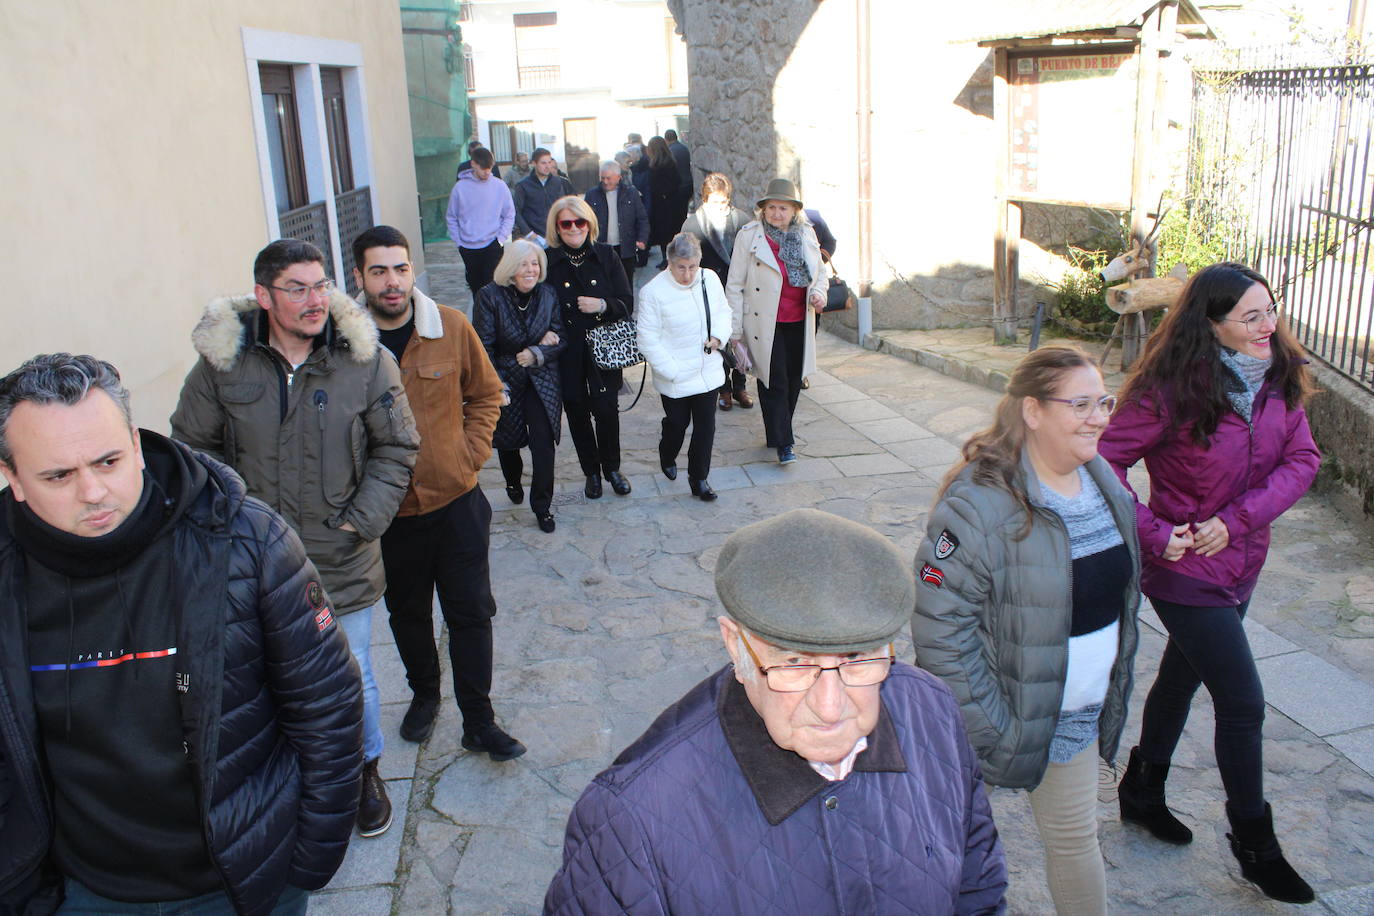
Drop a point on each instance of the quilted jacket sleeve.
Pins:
(481, 394)
(392, 447)
(1283, 485)
(1135, 429)
(199, 418)
(319, 698)
(950, 596)
(983, 886)
(607, 862)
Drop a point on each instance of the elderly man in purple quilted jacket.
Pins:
(813, 775)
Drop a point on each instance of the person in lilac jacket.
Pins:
(1215, 408)
(480, 216)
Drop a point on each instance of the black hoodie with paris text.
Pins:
(102, 617)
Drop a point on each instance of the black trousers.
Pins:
(1208, 646)
(735, 381)
(598, 447)
(778, 400)
(444, 549)
(479, 264)
(541, 455)
(700, 411)
(630, 264)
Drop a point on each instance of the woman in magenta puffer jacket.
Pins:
(1215, 408)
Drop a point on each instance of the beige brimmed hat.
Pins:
(780, 189)
(814, 582)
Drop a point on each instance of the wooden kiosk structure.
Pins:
(1077, 106)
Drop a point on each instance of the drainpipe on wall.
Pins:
(865, 127)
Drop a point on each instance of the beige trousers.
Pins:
(1065, 807)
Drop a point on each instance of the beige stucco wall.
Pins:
(132, 191)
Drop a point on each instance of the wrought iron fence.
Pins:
(309, 224)
(354, 209)
(1282, 173)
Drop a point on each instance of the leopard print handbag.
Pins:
(614, 345)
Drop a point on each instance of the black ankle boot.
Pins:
(1261, 860)
(1141, 794)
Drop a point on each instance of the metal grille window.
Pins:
(283, 136)
(509, 138)
(354, 209)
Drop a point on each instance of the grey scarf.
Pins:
(792, 252)
(1249, 371)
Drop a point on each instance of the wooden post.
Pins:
(1148, 75)
(1003, 259)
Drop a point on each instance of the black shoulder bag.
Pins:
(726, 355)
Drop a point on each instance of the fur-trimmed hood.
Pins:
(232, 322)
(428, 324)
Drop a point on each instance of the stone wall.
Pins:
(773, 92)
(1342, 420)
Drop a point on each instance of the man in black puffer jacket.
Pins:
(180, 717)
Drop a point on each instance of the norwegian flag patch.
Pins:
(932, 574)
(945, 545)
(323, 619)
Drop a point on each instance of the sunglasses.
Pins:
(578, 223)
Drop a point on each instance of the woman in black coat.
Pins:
(518, 319)
(590, 284)
(669, 208)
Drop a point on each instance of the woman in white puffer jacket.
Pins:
(681, 319)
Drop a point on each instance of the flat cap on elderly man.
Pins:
(812, 774)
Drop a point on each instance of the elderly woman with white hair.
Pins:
(682, 320)
(518, 319)
(775, 284)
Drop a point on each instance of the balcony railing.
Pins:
(543, 77)
(354, 209)
(309, 224)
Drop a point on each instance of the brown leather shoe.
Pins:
(725, 402)
(744, 399)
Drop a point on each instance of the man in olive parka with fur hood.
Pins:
(293, 391)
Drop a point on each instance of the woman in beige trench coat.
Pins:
(775, 286)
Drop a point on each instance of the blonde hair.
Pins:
(581, 208)
(515, 252)
(798, 213)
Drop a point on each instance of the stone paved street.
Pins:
(611, 618)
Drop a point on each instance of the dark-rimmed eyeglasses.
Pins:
(299, 294)
(1085, 407)
(578, 223)
(1255, 322)
(858, 672)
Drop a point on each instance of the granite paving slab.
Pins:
(1358, 745)
(866, 465)
(1315, 693)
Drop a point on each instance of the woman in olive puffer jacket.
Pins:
(1026, 600)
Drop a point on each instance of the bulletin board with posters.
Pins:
(1072, 123)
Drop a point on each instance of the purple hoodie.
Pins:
(1246, 477)
(479, 212)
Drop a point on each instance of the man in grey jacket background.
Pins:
(293, 391)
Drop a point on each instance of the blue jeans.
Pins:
(357, 626)
(81, 901)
